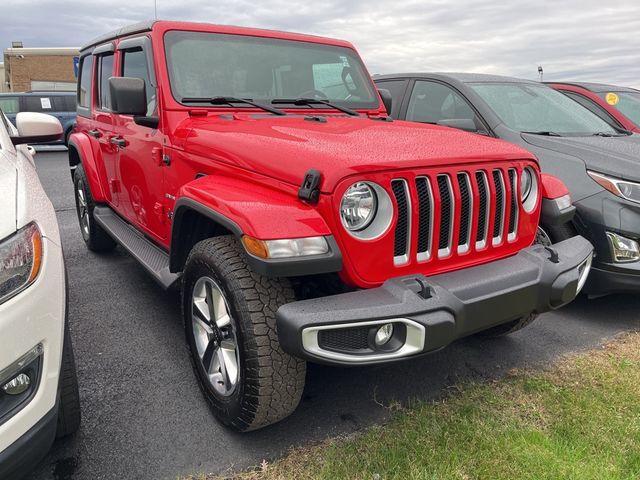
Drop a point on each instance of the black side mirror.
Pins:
(387, 99)
(466, 124)
(128, 96)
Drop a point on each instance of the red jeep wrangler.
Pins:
(258, 172)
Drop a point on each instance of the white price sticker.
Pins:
(46, 103)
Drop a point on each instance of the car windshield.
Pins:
(627, 102)
(540, 109)
(208, 65)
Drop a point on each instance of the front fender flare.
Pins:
(245, 208)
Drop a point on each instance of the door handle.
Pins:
(119, 141)
(95, 133)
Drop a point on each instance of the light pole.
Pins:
(540, 73)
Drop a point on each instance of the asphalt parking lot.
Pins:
(143, 413)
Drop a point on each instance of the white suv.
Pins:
(38, 386)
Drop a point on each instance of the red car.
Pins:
(258, 172)
(618, 106)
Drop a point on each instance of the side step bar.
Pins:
(152, 258)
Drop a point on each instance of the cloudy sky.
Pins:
(572, 40)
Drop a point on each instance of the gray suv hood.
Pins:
(616, 156)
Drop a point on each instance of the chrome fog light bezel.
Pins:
(615, 243)
(584, 274)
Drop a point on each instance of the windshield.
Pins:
(207, 65)
(537, 108)
(627, 102)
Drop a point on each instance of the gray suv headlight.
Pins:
(617, 186)
(20, 260)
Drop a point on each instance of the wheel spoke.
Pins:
(201, 310)
(208, 288)
(208, 357)
(228, 363)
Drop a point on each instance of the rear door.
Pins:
(140, 154)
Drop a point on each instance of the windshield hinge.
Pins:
(310, 189)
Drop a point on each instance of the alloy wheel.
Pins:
(215, 336)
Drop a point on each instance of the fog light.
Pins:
(384, 334)
(624, 249)
(17, 385)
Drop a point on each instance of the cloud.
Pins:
(572, 40)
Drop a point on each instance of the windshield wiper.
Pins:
(314, 101)
(231, 101)
(546, 133)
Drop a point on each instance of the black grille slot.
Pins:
(446, 204)
(483, 216)
(499, 215)
(425, 210)
(465, 209)
(344, 339)
(513, 209)
(400, 247)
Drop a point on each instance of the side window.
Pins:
(38, 104)
(69, 103)
(84, 84)
(433, 102)
(9, 104)
(134, 64)
(591, 106)
(105, 72)
(396, 88)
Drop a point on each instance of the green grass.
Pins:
(580, 419)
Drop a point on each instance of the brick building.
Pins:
(40, 69)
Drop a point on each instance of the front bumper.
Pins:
(597, 215)
(34, 317)
(430, 312)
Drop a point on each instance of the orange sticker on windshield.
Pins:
(612, 98)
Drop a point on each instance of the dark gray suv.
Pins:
(599, 163)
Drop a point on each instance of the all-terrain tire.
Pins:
(270, 382)
(68, 394)
(509, 327)
(96, 238)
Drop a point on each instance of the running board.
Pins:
(152, 258)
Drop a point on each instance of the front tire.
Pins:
(229, 316)
(94, 236)
(69, 396)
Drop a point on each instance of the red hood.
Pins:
(286, 147)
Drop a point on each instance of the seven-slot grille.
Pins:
(464, 203)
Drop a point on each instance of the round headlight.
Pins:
(358, 207)
(526, 182)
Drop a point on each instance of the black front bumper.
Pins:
(22, 455)
(439, 309)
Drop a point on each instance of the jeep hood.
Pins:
(8, 189)
(287, 147)
(616, 156)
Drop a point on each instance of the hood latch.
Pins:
(310, 189)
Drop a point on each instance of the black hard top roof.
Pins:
(120, 32)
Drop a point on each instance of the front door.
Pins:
(140, 160)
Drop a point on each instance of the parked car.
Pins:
(61, 105)
(618, 106)
(258, 172)
(597, 162)
(38, 387)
